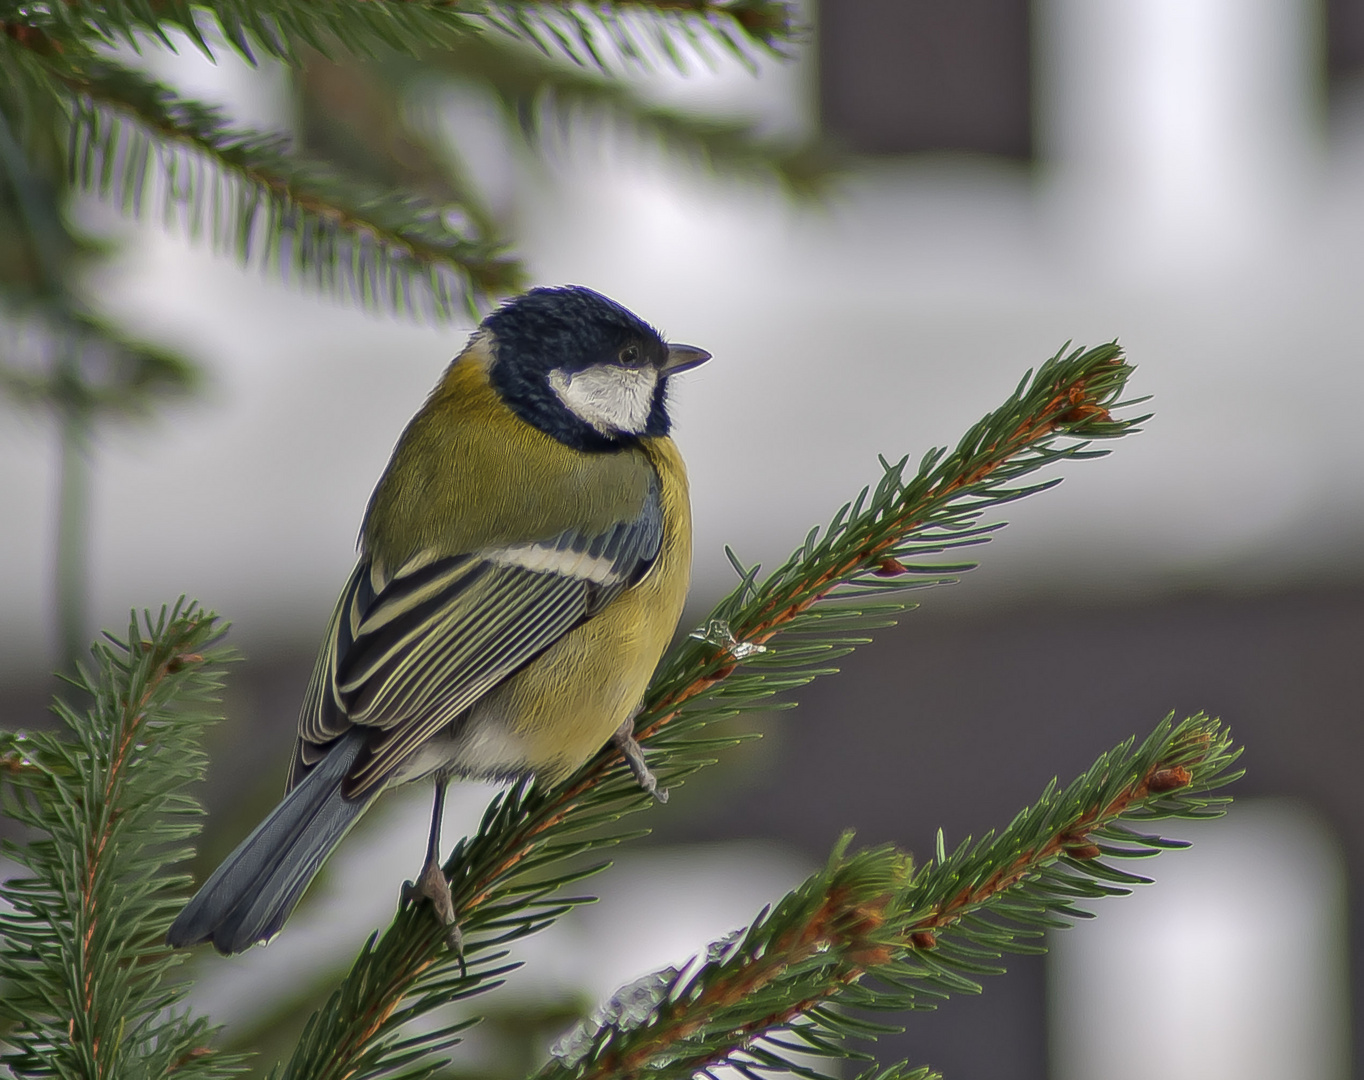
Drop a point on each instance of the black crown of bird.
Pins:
(523, 564)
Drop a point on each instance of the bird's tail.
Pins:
(251, 894)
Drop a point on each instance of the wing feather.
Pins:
(441, 691)
(406, 654)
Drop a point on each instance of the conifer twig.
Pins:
(503, 877)
(271, 28)
(143, 145)
(264, 201)
(81, 947)
(596, 34)
(132, 374)
(870, 931)
(575, 28)
(540, 93)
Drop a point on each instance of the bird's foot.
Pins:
(624, 738)
(432, 885)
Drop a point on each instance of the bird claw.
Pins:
(625, 741)
(431, 884)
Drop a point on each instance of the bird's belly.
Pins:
(474, 748)
(563, 706)
(553, 715)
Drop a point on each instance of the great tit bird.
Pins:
(523, 564)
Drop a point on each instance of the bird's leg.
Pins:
(624, 738)
(431, 883)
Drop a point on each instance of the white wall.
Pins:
(1233, 966)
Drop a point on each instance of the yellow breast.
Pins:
(565, 705)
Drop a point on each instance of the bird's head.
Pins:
(582, 368)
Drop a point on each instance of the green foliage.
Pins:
(103, 800)
(256, 197)
(635, 30)
(584, 32)
(870, 932)
(875, 544)
(271, 28)
(139, 143)
(539, 95)
(119, 375)
(102, 370)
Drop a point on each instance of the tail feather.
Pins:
(249, 896)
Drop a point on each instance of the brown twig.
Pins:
(850, 928)
(134, 716)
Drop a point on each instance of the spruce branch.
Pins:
(868, 931)
(587, 33)
(357, 117)
(81, 943)
(272, 28)
(138, 143)
(635, 31)
(879, 539)
(142, 145)
(119, 374)
(538, 92)
(268, 204)
(102, 368)
(507, 877)
(93, 368)
(899, 1071)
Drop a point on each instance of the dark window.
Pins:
(898, 76)
(1345, 38)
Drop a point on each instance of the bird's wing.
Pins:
(406, 654)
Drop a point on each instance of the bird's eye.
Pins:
(629, 354)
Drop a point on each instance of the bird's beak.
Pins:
(683, 358)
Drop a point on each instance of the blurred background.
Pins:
(1184, 175)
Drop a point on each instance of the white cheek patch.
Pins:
(612, 399)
